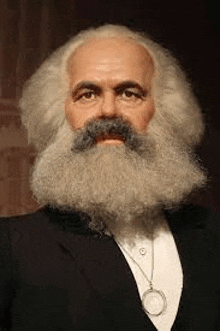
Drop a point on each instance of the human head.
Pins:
(110, 78)
(176, 109)
(119, 187)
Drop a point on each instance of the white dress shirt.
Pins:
(167, 274)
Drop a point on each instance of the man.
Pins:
(115, 122)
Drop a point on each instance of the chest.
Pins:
(84, 283)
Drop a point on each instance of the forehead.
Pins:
(110, 55)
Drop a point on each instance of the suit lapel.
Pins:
(106, 270)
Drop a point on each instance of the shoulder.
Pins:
(7, 222)
(70, 221)
(44, 228)
(194, 216)
(197, 225)
(20, 223)
(196, 220)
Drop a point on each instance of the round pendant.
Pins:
(154, 302)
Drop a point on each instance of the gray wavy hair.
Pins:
(177, 110)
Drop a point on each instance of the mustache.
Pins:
(116, 127)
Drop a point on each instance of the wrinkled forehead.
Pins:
(110, 49)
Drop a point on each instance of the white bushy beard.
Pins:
(122, 192)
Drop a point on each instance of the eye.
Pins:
(130, 95)
(86, 96)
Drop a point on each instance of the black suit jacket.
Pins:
(56, 274)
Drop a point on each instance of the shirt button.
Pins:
(142, 251)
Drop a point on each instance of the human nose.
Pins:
(108, 105)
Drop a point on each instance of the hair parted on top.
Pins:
(176, 108)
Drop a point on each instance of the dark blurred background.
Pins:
(31, 30)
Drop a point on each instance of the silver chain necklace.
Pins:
(154, 301)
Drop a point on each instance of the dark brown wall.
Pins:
(24, 43)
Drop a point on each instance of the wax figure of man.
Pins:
(115, 245)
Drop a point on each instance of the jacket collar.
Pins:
(179, 220)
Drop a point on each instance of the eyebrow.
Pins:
(85, 85)
(89, 85)
(130, 84)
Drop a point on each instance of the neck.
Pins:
(148, 229)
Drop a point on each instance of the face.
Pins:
(110, 78)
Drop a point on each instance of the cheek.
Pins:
(69, 115)
(75, 118)
(144, 117)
